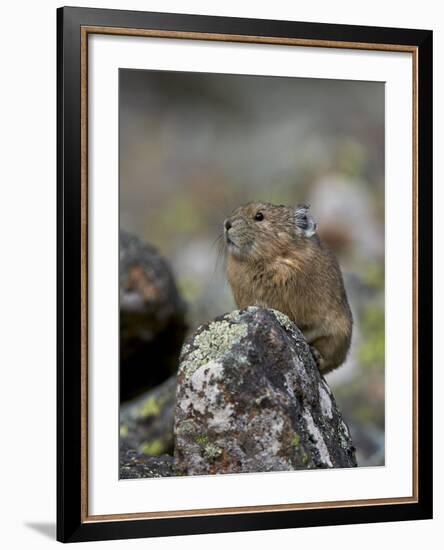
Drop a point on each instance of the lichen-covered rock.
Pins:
(152, 317)
(134, 465)
(251, 399)
(146, 423)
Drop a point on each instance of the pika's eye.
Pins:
(259, 216)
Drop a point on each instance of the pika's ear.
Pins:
(304, 221)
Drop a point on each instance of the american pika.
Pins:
(275, 259)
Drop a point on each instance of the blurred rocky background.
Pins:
(192, 148)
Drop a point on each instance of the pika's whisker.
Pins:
(220, 253)
(217, 240)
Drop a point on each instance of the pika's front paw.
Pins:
(318, 359)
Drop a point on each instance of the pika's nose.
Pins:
(227, 224)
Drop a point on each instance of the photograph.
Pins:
(251, 273)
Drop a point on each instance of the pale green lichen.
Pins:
(283, 320)
(123, 430)
(211, 344)
(202, 439)
(187, 426)
(236, 315)
(185, 349)
(296, 440)
(233, 316)
(150, 407)
(344, 435)
(211, 452)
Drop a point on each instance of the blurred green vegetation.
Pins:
(372, 348)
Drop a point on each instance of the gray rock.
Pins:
(134, 465)
(251, 399)
(152, 317)
(146, 423)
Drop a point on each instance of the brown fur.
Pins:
(279, 262)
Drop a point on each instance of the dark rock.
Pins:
(146, 423)
(134, 465)
(152, 318)
(251, 399)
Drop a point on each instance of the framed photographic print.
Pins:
(244, 274)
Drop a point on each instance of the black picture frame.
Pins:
(71, 523)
